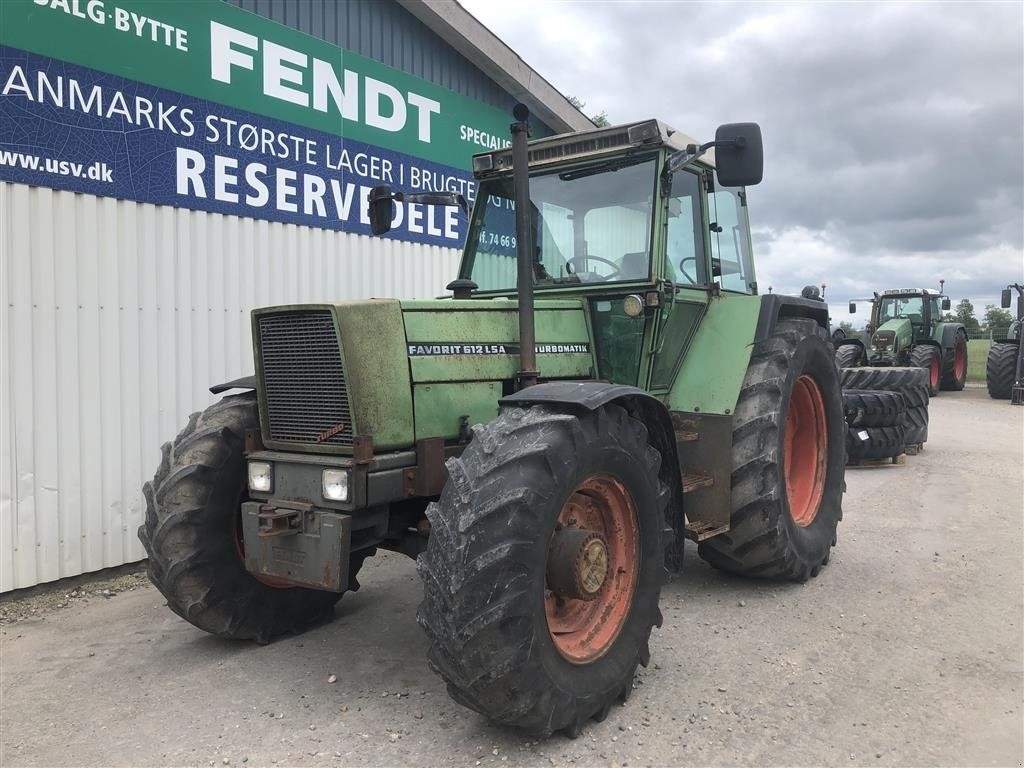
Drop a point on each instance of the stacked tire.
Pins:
(911, 383)
(875, 423)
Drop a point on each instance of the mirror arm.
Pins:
(433, 198)
(684, 157)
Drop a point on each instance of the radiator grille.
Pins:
(303, 379)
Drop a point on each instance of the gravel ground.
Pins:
(906, 650)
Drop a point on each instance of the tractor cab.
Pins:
(628, 221)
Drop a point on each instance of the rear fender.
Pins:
(949, 331)
(775, 307)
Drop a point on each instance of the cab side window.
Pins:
(686, 263)
(731, 264)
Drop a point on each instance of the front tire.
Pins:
(788, 460)
(498, 638)
(954, 364)
(929, 358)
(849, 356)
(192, 533)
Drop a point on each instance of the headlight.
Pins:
(261, 476)
(336, 484)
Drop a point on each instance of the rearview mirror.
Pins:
(946, 305)
(739, 156)
(1004, 298)
(382, 209)
(853, 308)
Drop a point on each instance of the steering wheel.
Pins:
(615, 267)
(686, 274)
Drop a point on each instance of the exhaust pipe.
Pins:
(525, 253)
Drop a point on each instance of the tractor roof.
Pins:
(646, 134)
(911, 292)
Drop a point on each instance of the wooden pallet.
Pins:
(913, 450)
(898, 461)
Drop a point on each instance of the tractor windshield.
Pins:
(592, 224)
(907, 307)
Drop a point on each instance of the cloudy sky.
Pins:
(894, 133)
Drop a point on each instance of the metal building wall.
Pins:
(388, 33)
(116, 318)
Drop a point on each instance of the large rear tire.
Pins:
(506, 647)
(193, 539)
(788, 459)
(954, 364)
(1000, 369)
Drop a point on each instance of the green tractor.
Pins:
(604, 383)
(1004, 368)
(906, 329)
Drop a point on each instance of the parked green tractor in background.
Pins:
(605, 383)
(907, 329)
(1004, 368)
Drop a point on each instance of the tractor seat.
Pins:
(633, 266)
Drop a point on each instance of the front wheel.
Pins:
(544, 566)
(930, 359)
(954, 364)
(192, 533)
(849, 356)
(788, 460)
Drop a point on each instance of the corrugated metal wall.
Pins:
(116, 318)
(387, 33)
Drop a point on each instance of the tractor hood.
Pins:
(383, 374)
(892, 336)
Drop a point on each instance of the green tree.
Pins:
(847, 327)
(964, 313)
(997, 320)
(600, 120)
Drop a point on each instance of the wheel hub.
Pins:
(577, 564)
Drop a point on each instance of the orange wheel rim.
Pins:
(934, 371)
(806, 450)
(959, 360)
(583, 630)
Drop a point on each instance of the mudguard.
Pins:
(949, 334)
(775, 306)
(246, 382)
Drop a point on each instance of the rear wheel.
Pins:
(1000, 369)
(544, 566)
(930, 359)
(849, 356)
(954, 364)
(193, 509)
(788, 460)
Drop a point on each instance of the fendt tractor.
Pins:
(604, 383)
(907, 329)
(1004, 368)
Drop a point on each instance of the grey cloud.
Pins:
(894, 133)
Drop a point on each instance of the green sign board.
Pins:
(214, 51)
(198, 104)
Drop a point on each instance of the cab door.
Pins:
(686, 275)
